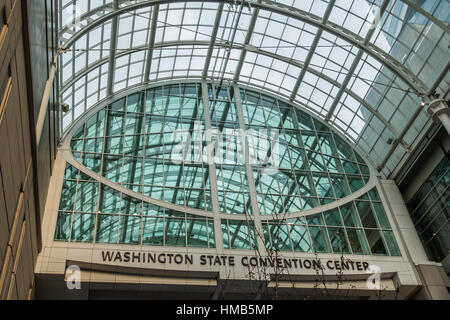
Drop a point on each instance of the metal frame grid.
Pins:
(152, 142)
(92, 212)
(321, 55)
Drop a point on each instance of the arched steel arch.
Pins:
(248, 48)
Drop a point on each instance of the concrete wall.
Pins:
(435, 283)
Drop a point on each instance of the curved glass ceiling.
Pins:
(363, 66)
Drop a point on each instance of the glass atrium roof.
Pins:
(363, 66)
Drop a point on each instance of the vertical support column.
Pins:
(406, 231)
(440, 113)
(249, 171)
(112, 54)
(435, 282)
(151, 42)
(212, 169)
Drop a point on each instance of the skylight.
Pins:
(363, 66)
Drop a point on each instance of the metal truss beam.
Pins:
(112, 53)
(377, 53)
(248, 37)
(312, 50)
(413, 118)
(111, 12)
(213, 40)
(439, 79)
(432, 18)
(399, 140)
(151, 42)
(231, 42)
(352, 68)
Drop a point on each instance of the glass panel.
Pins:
(319, 239)
(280, 237)
(95, 125)
(375, 241)
(300, 238)
(357, 241)
(93, 145)
(350, 215)
(83, 227)
(79, 133)
(350, 167)
(305, 184)
(107, 228)
(197, 233)
(374, 195)
(266, 233)
(320, 126)
(175, 232)
(109, 200)
(364, 169)
(315, 219)
(355, 183)
(365, 196)
(241, 235)
(298, 220)
(225, 234)
(333, 165)
(92, 161)
(344, 150)
(67, 195)
(310, 142)
(86, 198)
(338, 239)
(211, 237)
(62, 231)
(381, 215)
(130, 205)
(323, 186)
(340, 186)
(310, 203)
(391, 243)
(112, 168)
(130, 229)
(134, 103)
(304, 121)
(119, 105)
(332, 217)
(71, 172)
(76, 145)
(366, 214)
(153, 231)
(152, 210)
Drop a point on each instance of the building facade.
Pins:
(28, 138)
(224, 149)
(226, 190)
